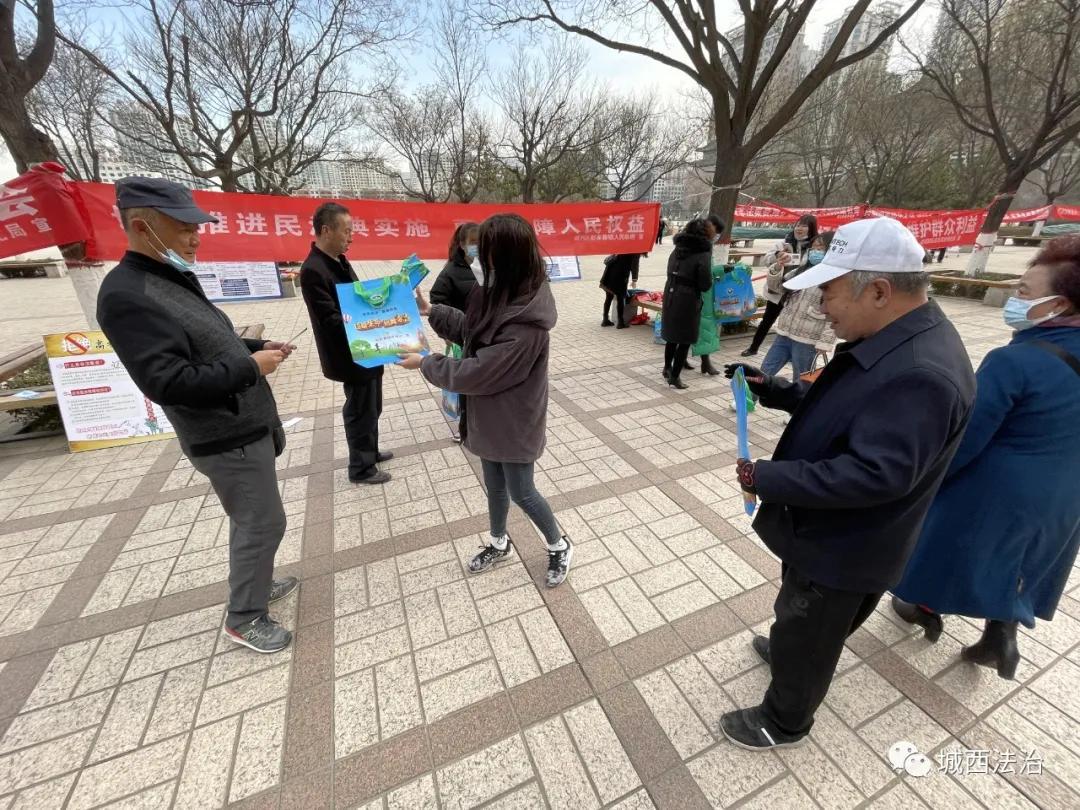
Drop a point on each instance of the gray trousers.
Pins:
(245, 481)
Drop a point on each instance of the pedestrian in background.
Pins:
(502, 378)
(183, 353)
(790, 253)
(802, 330)
(689, 274)
(458, 278)
(323, 269)
(1001, 538)
(851, 480)
(620, 270)
(708, 331)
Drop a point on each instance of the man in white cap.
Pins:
(846, 491)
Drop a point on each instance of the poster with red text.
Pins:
(100, 404)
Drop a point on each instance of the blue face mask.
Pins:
(168, 255)
(472, 251)
(1017, 309)
(815, 256)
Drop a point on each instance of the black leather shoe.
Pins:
(382, 458)
(996, 649)
(761, 647)
(688, 366)
(675, 382)
(929, 621)
(748, 353)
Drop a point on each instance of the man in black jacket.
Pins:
(847, 490)
(325, 268)
(183, 353)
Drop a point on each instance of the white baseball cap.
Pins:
(878, 245)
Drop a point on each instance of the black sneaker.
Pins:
(283, 587)
(263, 635)
(490, 555)
(375, 476)
(559, 563)
(761, 647)
(748, 729)
(606, 322)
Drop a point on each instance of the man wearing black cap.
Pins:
(184, 354)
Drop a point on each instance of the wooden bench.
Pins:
(24, 358)
(756, 257)
(996, 291)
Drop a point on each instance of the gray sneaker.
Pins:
(263, 635)
(283, 587)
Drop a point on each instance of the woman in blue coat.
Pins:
(1000, 540)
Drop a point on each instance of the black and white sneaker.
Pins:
(559, 563)
(489, 555)
(748, 728)
(283, 587)
(263, 635)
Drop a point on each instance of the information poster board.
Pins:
(99, 402)
(239, 281)
(381, 320)
(563, 268)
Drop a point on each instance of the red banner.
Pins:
(938, 229)
(39, 209)
(1068, 213)
(1029, 214)
(256, 227)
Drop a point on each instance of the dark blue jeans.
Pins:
(505, 481)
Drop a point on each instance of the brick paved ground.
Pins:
(413, 685)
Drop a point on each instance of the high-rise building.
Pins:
(350, 176)
(873, 22)
(143, 145)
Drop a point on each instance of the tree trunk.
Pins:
(26, 143)
(727, 180)
(999, 206)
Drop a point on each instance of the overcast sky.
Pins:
(625, 73)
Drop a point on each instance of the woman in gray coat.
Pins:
(502, 378)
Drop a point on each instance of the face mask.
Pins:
(815, 256)
(472, 251)
(168, 255)
(1016, 310)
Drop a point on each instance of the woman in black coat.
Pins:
(688, 276)
(457, 278)
(619, 270)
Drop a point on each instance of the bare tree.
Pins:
(1059, 175)
(975, 167)
(822, 136)
(461, 67)
(21, 68)
(647, 143)
(892, 140)
(736, 71)
(550, 116)
(243, 94)
(1007, 68)
(414, 129)
(68, 105)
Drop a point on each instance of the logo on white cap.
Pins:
(878, 245)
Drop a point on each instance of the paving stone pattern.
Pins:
(413, 684)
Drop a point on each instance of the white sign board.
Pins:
(99, 403)
(239, 281)
(563, 268)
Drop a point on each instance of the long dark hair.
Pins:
(461, 233)
(510, 257)
(810, 221)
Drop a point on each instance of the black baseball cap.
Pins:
(170, 198)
